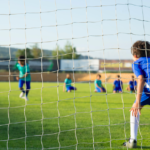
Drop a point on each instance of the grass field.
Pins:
(36, 133)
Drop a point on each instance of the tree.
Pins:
(59, 51)
(22, 52)
(36, 51)
(69, 52)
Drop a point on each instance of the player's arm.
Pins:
(140, 87)
(24, 76)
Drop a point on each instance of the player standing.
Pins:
(132, 85)
(141, 68)
(67, 84)
(98, 84)
(24, 77)
(118, 85)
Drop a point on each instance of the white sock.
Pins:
(134, 122)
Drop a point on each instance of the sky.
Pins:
(89, 25)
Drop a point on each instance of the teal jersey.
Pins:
(98, 82)
(68, 82)
(23, 70)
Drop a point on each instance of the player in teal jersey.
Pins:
(98, 84)
(67, 84)
(24, 77)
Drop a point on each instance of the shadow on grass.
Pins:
(144, 147)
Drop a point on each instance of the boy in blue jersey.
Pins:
(141, 68)
(132, 85)
(118, 85)
(98, 84)
(67, 84)
(24, 77)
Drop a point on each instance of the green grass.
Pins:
(83, 101)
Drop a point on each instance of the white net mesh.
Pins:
(81, 119)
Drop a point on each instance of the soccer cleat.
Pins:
(129, 144)
(26, 98)
(21, 95)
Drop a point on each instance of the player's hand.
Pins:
(17, 78)
(135, 109)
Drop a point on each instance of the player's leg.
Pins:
(97, 89)
(73, 88)
(131, 90)
(134, 123)
(68, 89)
(120, 90)
(21, 83)
(27, 90)
(104, 90)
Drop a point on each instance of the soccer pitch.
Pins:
(37, 133)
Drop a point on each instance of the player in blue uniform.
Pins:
(132, 85)
(24, 77)
(98, 84)
(141, 68)
(67, 84)
(118, 85)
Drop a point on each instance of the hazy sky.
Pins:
(83, 25)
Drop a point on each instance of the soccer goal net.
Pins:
(53, 54)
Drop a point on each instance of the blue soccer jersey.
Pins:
(142, 67)
(132, 84)
(118, 84)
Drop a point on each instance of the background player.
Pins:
(24, 77)
(67, 84)
(141, 68)
(98, 84)
(118, 85)
(132, 85)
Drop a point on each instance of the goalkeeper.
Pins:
(67, 84)
(141, 68)
(24, 77)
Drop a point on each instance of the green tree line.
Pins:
(68, 52)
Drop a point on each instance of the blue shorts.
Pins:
(132, 88)
(21, 83)
(145, 98)
(70, 88)
(116, 89)
(99, 90)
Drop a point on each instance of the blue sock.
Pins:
(23, 90)
(27, 92)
